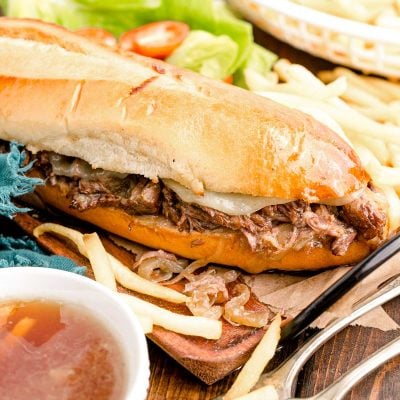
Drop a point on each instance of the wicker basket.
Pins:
(369, 48)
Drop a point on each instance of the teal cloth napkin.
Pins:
(23, 251)
(13, 182)
(15, 252)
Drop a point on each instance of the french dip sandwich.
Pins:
(179, 162)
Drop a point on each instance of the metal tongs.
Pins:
(284, 377)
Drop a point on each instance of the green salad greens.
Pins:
(260, 61)
(219, 45)
(210, 55)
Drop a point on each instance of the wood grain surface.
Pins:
(171, 381)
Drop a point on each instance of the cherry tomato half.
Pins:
(98, 35)
(229, 79)
(157, 39)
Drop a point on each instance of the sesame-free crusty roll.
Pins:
(174, 160)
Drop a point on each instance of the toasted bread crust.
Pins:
(222, 246)
(137, 115)
(127, 113)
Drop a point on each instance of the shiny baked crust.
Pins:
(128, 113)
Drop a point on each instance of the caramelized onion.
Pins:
(286, 236)
(158, 266)
(205, 290)
(161, 254)
(133, 247)
(281, 239)
(158, 270)
(229, 275)
(188, 272)
(236, 314)
(201, 305)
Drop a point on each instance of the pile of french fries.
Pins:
(108, 270)
(363, 110)
(385, 13)
(378, 100)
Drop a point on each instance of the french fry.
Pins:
(74, 236)
(146, 323)
(98, 257)
(354, 80)
(335, 89)
(256, 81)
(380, 114)
(185, 324)
(311, 85)
(384, 86)
(296, 73)
(133, 281)
(394, 206)
(355, 95)
(351, 119)
(123, 274)
(381, 175)
(376, 146)
(327, 76)
(264, 393)
(257, 362)
(395, 109)
(394, 155)
(272, 77)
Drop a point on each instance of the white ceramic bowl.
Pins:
(24, 283)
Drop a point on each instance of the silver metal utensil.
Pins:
(284, 377)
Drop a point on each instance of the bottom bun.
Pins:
(217, 246)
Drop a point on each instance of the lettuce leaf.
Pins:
(119, 16)
(259, 61)
(208, 54)
(212, 58)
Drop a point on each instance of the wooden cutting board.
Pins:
(169, 381)
(209, 360)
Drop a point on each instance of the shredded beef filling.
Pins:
(274, 229)
(137, 195)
